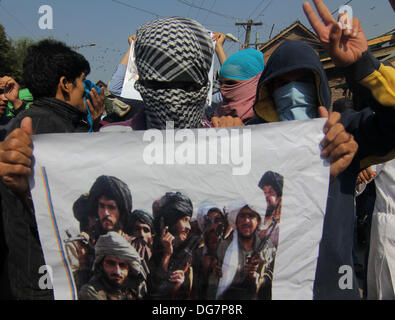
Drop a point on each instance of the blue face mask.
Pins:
(296, 101)
(88, 86)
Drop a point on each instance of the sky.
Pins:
(109, 23)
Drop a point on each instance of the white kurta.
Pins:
(381, 265)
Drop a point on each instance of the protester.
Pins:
(12, 101)
(239, 76)
(216, 99)
(288, 90)
(173, 83)
(118, 272)
(117, 80)
(219, 39)
(118, 108)
(54, 75)
(167, 97)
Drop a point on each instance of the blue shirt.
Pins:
(117, 80)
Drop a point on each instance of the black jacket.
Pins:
(21, 255)
(373, 130)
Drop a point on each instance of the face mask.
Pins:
(296, 101)
(88, 86)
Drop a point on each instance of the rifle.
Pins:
(181, 259)
(247, 285)
(262, 244)
(76, 238)
(247, 280)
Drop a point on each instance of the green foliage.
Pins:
(20, 46)
(8, 64)
(12, 54)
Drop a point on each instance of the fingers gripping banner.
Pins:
(236, 213)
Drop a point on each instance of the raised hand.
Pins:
(344, 46)
(16, 157)
(339, 147)
(226, 121)
(219, 39)
(11, 90)
(96, 107)
(131, 39)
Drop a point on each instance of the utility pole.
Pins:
(249, 25)
(257, 43)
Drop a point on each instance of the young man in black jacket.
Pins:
(54, 74)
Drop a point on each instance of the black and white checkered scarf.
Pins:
(174, 50)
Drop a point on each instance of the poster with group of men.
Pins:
(232, 213)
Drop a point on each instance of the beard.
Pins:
(116, 227)
(246, 237)
(115, 284)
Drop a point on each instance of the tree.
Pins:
(20, 47)
(8, 61)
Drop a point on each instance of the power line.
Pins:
(334, 11)
(212, 7)
(201, 5)
(207, 10)
(16, 19)
(260, 3)
(264, 9)
(143, 10)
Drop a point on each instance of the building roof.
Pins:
(309, 36)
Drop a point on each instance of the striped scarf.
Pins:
(174, 51)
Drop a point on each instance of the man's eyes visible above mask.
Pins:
(229, 82)
(157, 85)
(280, 81)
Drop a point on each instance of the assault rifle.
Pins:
(76, 238)
(264, 240)
(247, 287)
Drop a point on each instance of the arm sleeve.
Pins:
(378, 78)
(117, 80)
(373, 127)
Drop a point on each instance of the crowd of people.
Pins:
(123, 253)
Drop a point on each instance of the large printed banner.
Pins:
(273, 170)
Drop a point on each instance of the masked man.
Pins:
(294, 86)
